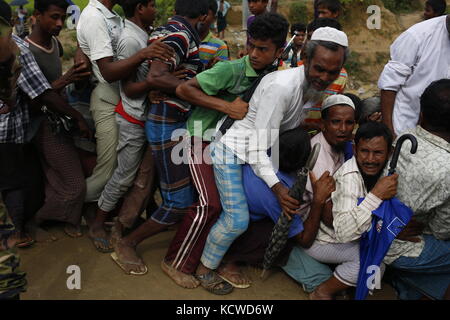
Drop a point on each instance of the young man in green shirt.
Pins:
(217, 92)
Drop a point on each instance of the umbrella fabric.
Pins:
(387, 222)
(280, 232)
(18, 2)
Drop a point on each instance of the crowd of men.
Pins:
(147, 108)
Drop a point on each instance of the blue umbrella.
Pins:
(387, 222)
(18, 3)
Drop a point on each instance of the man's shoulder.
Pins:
(349, 168)
(426, 28)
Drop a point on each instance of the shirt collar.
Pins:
(432, 138)
(336, 156)
(350, 166)
(208, 37)
(136, 28)
(188, 26)
(105, 11)
(249, 71)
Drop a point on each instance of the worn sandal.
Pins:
(214, 284)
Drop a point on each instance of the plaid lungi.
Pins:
(165, 129)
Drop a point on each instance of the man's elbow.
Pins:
(182, 91)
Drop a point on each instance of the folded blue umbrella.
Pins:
(388, 221)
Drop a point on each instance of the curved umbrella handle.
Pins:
(397, 149)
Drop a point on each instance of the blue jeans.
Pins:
(428, 274)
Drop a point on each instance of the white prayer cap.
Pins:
(330, 34)
(337, 99)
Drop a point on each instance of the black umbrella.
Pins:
(280, 231)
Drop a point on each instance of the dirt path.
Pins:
(102, 279)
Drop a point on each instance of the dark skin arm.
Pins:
(161, 78)
(135, 89)
(56, 103)
(387, 108)
(322, 191)
(327, 214)
(116, 70)
(192, 92)
(74, 74)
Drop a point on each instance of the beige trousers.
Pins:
(104, 99)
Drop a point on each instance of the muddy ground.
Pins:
(101, 279)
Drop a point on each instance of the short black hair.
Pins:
(258, 0)
(213, 6)
(5, 11)
(439, 6)
(374, 129)
(323, 22)
(295, 147)
(435, 105)
(43, 5)
(270, 26)
(191, 9)
(298, 27)
(357, 102)
(332, 5)
(129, 6)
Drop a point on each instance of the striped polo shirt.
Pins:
(184, 39)
(212, 47)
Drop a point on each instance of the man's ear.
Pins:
(420, 119)
(279, 52)
(322, 125)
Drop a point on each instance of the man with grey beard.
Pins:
(276, 106)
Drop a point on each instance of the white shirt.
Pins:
(276, 106)
(133, 39)
(350, 220)
(98, 33)
(419, 56)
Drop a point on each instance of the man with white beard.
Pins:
(276, 106)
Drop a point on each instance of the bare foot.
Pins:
(73, 231)
(127, 259)
(182, 279)
(22, 239)
(8, 243)
(116, 232)
(317, 295)
(39, 234)
(231, 273)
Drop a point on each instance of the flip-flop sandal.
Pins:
(234, 284)
(214, 284)
(122, 265)
(73, 234)
(105, 242)
(171, 272)
(25, 244)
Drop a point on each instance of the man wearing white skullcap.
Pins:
(276, 106)
(337, 123)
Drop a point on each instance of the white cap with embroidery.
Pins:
(330, 34)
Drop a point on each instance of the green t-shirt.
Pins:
(227, 80)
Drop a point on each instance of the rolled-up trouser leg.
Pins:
(106, 134)
(130, 149)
